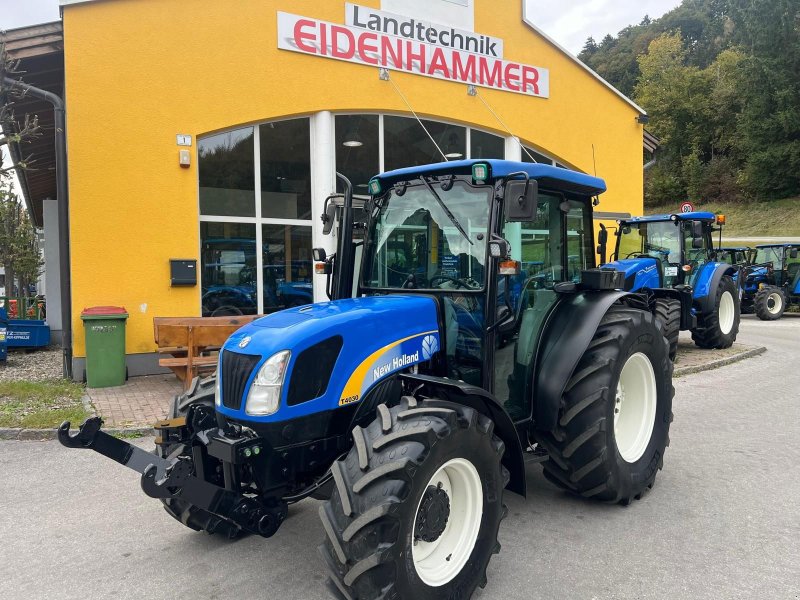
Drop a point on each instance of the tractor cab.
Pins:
(663, 251)
(493, 242)
(740, 256)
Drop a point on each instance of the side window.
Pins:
(580, 255)
(531, 243)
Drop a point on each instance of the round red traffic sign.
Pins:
(687, 207)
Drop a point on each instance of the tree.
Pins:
(19, 247)
(12, 130)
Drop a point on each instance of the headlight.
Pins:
(265, 392)
(218, 383)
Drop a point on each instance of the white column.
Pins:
(513, 231)
(323, 184)
(513, 149)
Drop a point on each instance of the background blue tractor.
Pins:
(397, 403)
(740, 256)
(672, 258)
(772, 281)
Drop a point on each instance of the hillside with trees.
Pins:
(720, 80)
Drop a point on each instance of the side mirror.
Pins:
(319, 254)
(697, 243)
(793, 253)
(697, 229)
(521, 206)
(602, 243)
(328, 218)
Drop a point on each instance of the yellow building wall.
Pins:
(138, 72)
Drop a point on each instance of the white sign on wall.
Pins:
(458, 13)
(390, 41)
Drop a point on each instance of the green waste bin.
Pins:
(105, 345)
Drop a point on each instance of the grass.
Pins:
(40, 404)
(777, 218)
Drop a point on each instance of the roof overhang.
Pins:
(40, 52)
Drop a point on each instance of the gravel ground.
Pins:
(34, 366)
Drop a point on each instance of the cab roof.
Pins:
(691, 216)
(547, 175)
(736, 248)
(784, 245)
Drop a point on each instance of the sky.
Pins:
(569, 23)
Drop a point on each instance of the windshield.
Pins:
(772, 255)
(661, 240)
(416, 244)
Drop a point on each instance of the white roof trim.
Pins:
(577, 61)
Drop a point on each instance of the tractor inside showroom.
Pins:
(398, 405)
(672, 259)
(772, 282)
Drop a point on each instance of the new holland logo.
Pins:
(430, 345)
(649, 269)
(244, 342)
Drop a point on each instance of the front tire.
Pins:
(719, 327)
(668, 312)
(769, 303)
(613, 425)
(417, 504)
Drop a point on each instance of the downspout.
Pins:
(63, 213)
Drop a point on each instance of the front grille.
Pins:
(312, 370)
(236, 370)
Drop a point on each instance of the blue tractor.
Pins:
(398, 405)
(772, 281)
(672, 259)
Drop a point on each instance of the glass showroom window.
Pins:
(357, 149)
(406, 144)
(256, 240)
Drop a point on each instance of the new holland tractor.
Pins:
(396, 404)
(772, 282)
(672, 259)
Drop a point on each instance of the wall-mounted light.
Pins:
(643, 119)
(452, 149)
(352, 140)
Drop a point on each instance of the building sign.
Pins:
(380, 39)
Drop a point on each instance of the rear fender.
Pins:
(705, 288)
(485, 403)
(569, 331)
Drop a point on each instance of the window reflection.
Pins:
(287, 266)
(228, 267)
(227, 174)
(406, 144)
(286, 169)
(357, 149)
(486, 145)
(537, 156)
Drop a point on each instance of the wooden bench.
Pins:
(190, 342)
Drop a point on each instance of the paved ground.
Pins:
(141, 401)
(723, 521)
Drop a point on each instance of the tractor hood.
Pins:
(339, 350)
(639, 272)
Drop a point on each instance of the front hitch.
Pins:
(175, 477)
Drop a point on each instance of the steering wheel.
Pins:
(458, 282)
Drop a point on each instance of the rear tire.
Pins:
(769, 303)
(200, 393)
(613, 425)
(668, 313)
(719, 327)
(392, 530)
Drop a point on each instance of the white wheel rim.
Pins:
(438, 562)
(635, 407)
(726, 313)
(774, 303)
